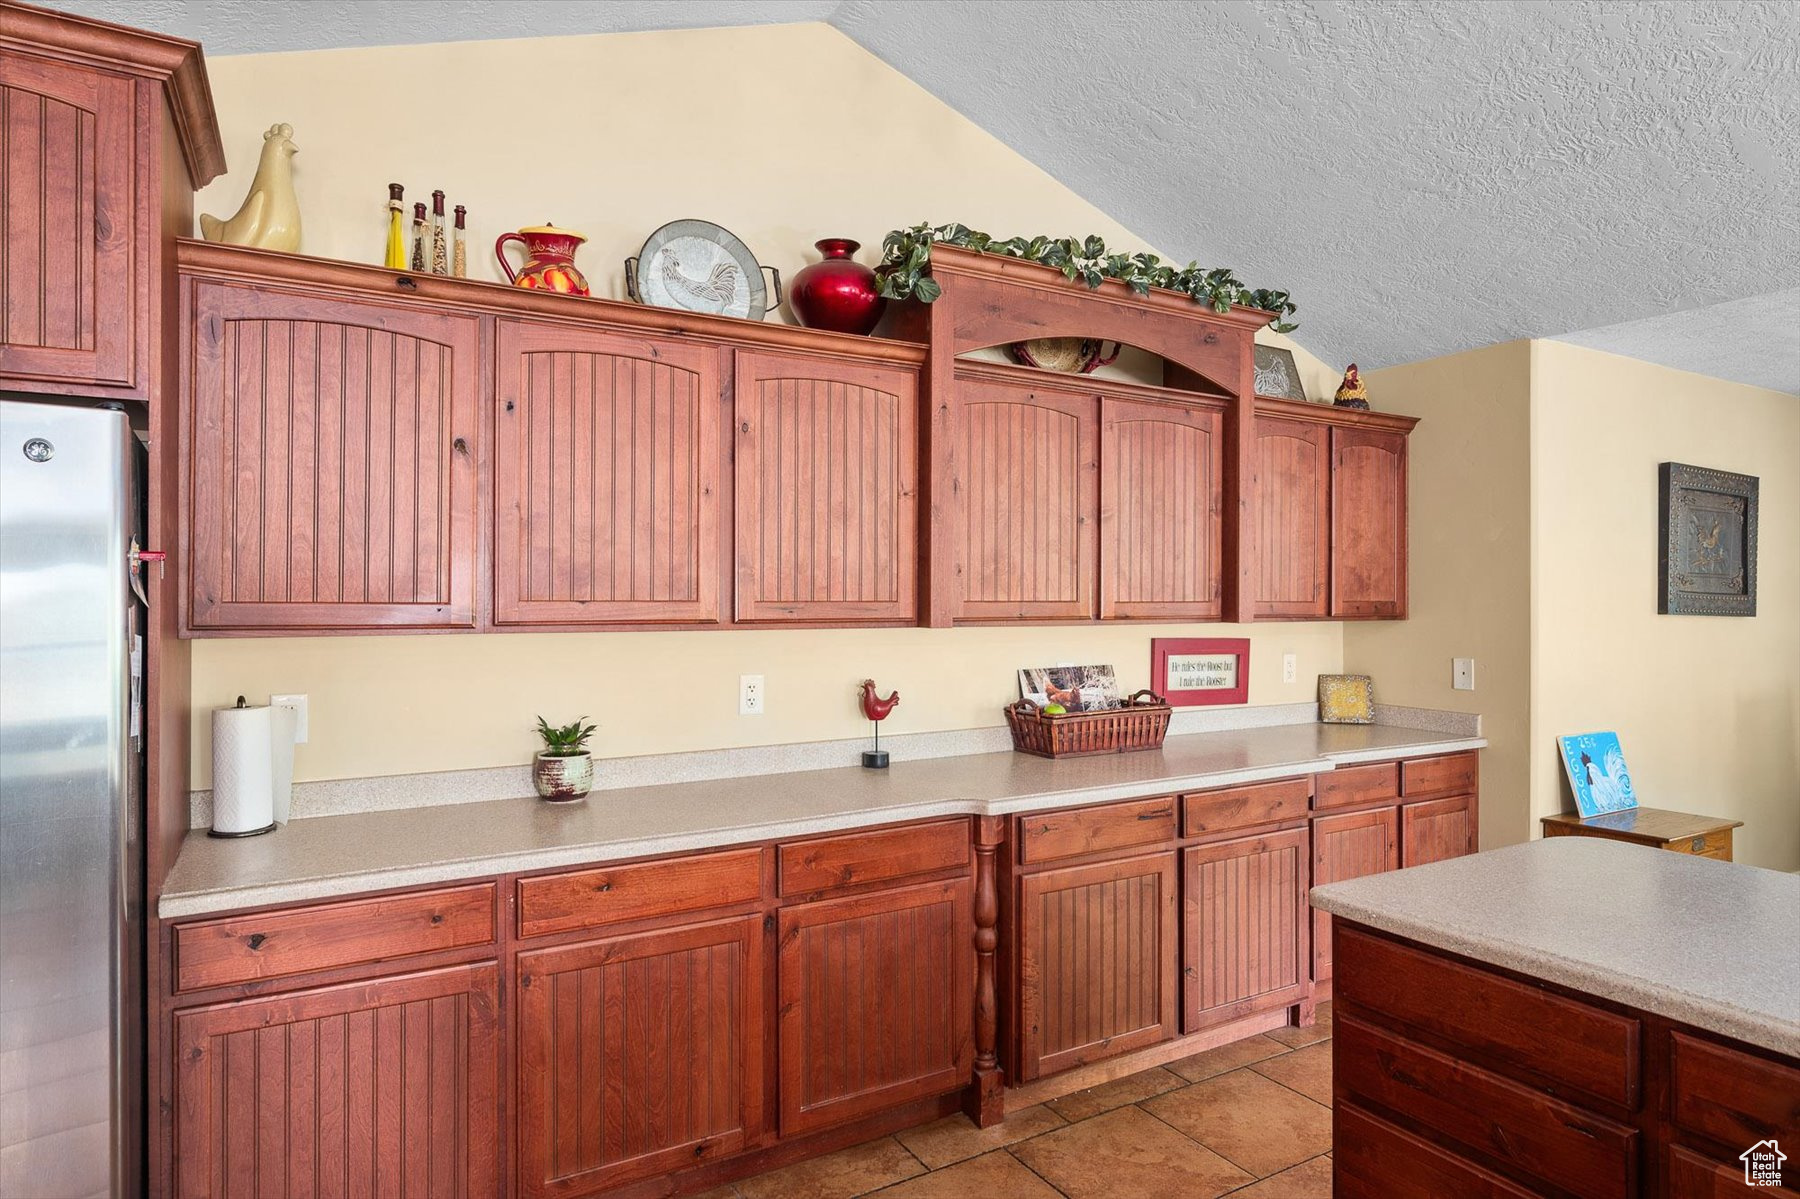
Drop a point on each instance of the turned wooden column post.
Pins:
(985, 1101)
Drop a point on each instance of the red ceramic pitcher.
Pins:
(549, 259)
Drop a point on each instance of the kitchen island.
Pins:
(1570, 1016)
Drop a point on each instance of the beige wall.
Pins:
(1707, 708)
(402, 705)
(1470, 540)
(601, 134)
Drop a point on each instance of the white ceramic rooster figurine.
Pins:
(269, 217)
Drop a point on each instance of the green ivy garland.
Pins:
(906, 261)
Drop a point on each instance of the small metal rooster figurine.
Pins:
(1351, 393)
(876, 710)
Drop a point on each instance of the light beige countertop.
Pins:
(1712, 944)
(367, 851)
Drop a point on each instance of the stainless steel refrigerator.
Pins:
(71, 1012)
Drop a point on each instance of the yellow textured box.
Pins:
(1346, 699)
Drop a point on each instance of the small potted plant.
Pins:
(564, 769)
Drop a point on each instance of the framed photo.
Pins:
(1597, 776)
(1346, 699)
(1706, 542)
(1277, 378)
(1074, 688)
(1192, 671)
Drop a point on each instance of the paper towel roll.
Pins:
(243, 771)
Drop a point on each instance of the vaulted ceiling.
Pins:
(1424, 177)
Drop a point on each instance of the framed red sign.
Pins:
(1191, 671)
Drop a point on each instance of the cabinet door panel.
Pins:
(333, 462)
(1434, 829)
(1368, 523)
(1291, 461)
(1345, 847)
(1244, 936)
(389, 1087)
(1025, 541)
(607, 470)
(71, 227)
(638, 1055)
(1160, 497)
(827, 490)
(1096, 962)
(876, 1002)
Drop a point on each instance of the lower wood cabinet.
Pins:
(1349, 845)
(1436, 829)
(639, 1055)
(388, 1087)
(1243, 932)
(1096, 951)
(877, 1001)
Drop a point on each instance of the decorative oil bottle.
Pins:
(459, 253)
(419, 245)
(440, 257)
(395, 258)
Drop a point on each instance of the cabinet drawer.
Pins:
(1356, 785)
(1372, 1159)
(829, 862)
(1734, 1098)
(1549, 1040)
(1449, 775)
(1527, 1130)
(1692, 1176)
(237, 949)
(556, 903)
(1244, 807)
(1053, 835)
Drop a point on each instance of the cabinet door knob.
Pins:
(460, 446)
(256, 940)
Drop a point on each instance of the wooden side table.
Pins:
(1683, 832)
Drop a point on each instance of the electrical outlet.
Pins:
(1462, 674)
(298, 704)
(1290, 668)
(750, 695)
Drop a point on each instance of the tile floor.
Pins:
(1251, 1119)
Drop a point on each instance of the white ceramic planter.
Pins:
(563, 779)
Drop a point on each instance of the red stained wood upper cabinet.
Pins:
(1349, 846)
(1160, 499)
(1024, 537)
(1291, 465)
(75, 255)
(1096, 962)
(1244, 933)
(332, 468)
(827, 490)
(1368, 523)
(607, 473)
(876, 1002)
(639, 1055)
(387, 1087)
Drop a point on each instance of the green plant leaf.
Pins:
(927, 290)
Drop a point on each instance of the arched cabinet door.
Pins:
(1160, 498)
(1291, 477)
(827, 490)
(332, 462)
(607, 473)
(1368, 523)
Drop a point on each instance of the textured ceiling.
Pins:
(1425, 177)
(259, 26)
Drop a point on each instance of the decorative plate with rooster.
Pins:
(699, 267)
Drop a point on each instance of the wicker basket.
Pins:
(1141, 724)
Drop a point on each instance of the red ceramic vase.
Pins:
(837, 294)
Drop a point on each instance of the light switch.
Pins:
(1462, 674)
